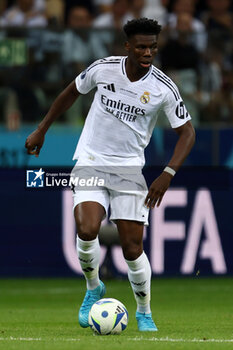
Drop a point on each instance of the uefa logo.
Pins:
(35, 178)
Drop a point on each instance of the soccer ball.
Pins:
(108, 316)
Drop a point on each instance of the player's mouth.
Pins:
(145, 64)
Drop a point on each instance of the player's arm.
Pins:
(185, 142)
(61, 104)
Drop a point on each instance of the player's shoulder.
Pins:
(165, 83)
(103, 62)
(160, 77)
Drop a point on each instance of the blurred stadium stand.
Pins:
(44, 44)
(36, 64)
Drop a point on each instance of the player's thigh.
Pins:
(90, 208)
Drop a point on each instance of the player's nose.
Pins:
(147, 52)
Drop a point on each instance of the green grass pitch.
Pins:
(190, 314)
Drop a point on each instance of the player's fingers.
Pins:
(148, 198)
(152, 201)
(37, 152)
(160, 200)
(27, 144)
(31, 150)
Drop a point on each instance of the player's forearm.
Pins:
(61, 104)
(183, 147)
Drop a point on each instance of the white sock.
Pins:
(139, 273)
(89, 255)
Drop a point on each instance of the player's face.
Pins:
(142, 50)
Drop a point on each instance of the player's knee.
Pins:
(87, 231)
(132, 251)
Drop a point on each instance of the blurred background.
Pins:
(44, 45)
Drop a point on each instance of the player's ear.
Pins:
(127, 46)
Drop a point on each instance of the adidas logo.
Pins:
(119, 310)
(141, 294)
(110, 87)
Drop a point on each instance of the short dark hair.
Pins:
(142, 26)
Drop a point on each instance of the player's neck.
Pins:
(133, 72)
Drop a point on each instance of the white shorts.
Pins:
(123, 193)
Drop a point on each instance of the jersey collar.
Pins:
(123, 70)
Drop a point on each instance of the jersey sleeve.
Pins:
(87, 80)
(175, 109)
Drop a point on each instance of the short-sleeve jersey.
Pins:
(123, 114)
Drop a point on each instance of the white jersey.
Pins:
(123, 114)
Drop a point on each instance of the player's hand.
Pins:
(157, 190)
(34, 142)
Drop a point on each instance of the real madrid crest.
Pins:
(145, 98)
